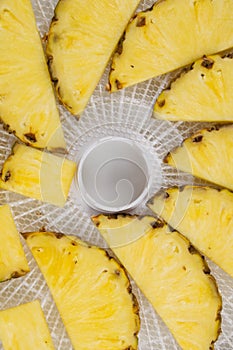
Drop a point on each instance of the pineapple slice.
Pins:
(27, 102)
(82, 37)
(91, 291)
(171, 34)
(204, 215)
(38, 175)
(207, 154)
(13, 262)
(24, 328)
(204, 93)
(173, 276)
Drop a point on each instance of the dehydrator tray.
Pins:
(126, 113)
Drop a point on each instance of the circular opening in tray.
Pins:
(113, 175)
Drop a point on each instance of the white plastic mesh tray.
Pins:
(126, 113)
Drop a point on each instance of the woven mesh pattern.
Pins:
(126, 113)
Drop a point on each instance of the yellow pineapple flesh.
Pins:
(172, 34)
(38, 175)
(27, 101)
(13, 262)
(202, 214)
(81, 39)
(24, 328)
(173, 276)
(204, 93)
(91, 291)
(207, 154)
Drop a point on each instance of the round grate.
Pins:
(126, 114)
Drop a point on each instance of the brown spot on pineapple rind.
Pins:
(119, 85)
(96, 222)
(117, 272)
(219, 317)
(49, 62)
(177, 77)
(228, 55)
(55, 18)
(59, 235)
(116, 216)
(192, 250)
(59, 94)
(207, 62)
(6, 127)
(55, 81)
(31, 137)
(108, 87)
(135, 303)
(141, 22)
(119, 48)
(206, 269)
(166, 158)
(213, 128)
(50, 67)
(17, 274)
(161, 103)
(7, 176)
(197, 138)
(44, 38)
(171, 229)
(157, 224)
(25, 234)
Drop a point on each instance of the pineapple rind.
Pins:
(91, 291)
(207, 155)
(24, 327)
(81, 39)
(202, 214)
(38, 175)
(127, 233)
(204, 93)
(13, 262)
(27, 102)
(172, 34)
(175, 279)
